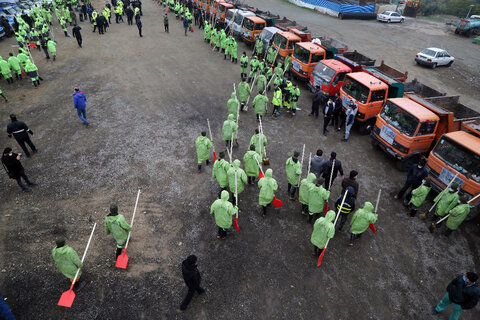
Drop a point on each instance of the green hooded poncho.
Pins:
(457, 215)
(223, 211)
(233, 105)
(419, 195)
(294, 170)
(305, 186)
(447, 202)
(362, 218)
(219, 172)
(323, 229)
(203, 145)
(316, 199)
(241, 177)
(229, 128)
(267, 186)
(67, 261)
(251, 166)
(118, 227)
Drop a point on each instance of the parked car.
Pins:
(390, 16)
(434, 57)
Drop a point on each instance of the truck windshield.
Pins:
(229, 15)
(399, 119)
(356, 90)
(302, 54)
(324, 73)
(238, 19)
(248, 24)
(458, 157)
(280, 41)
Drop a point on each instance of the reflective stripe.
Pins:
(18, 131)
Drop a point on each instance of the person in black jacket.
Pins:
(317, 163)
(327, 169)
(77, 35)
(348, 206)
(317, 98)
(337, 119)
(463, 293)
(192, 278)
(20, 132)
(415, 175)
(129, 13)
(328, 115)
(14, 168)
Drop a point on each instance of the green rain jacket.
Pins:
(14, 64)
(229, 128)
(457, 215)
(362, 218)
(305, 186)
(203, 145)
(251, 166)
(260, 104)
(447, 202)
(223, 210)
(4, 67)
(241, 177)
(243, 91)
(323, 229)
(232, 106)
(259, 141)
(52, 47)
(316, 199)
(118, 227)
(67, 261)
(419, 195)
(267, 186)
(294, 170)
(261, 83)
(219, 172)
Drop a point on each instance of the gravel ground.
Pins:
(148, 100)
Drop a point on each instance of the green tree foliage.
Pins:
(457, 8)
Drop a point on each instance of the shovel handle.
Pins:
(84, 254)
(309, 162)
(338, 215)
(331, 175)
(133, 217)
(448, 215)
(473, 199)
(378, 200)
(444, 190)
(301, 165)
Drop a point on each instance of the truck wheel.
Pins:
(457, 31)
(365, 128)
(404, 165)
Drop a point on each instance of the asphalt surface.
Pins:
(148, 100)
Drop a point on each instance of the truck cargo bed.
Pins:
(355, 59)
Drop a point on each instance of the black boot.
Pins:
(207, 162)
(236, 60)
(264, 210)
(225, 57)
(352, 237)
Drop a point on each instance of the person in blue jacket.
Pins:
(80, 103)
(5, 312)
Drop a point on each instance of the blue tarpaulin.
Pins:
(340, 7)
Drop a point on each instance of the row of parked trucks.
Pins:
(407, 120)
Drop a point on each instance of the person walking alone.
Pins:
(20, 132)
(80, 103)
(349, 119)
(116, 225)
(77, 35)
(192, 279)
(139, 26)
(165, 22)
(328, 115)
(13, 167)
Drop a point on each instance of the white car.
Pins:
(434, 57)
(390, 16)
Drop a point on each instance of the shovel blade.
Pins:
(325, 208)
(235, 222)
(260, 175)
(372, 227)
(66, 300)
(277, 202)
(122, 261)
(431, 228)
(214, 156)
(320, 258)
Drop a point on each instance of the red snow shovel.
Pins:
(209, 130)
(277, 202)
(23, 73)
(319, 262)
(66, 300)
(371, 225)
(122, 260)
(235, 222)
(32, 45)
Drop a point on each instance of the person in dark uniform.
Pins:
(20, 132)
(328, 115)
(327, 169)
(77, 35)
(129, 13)
(13, 167)
(192, 278)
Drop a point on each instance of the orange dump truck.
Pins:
(369, 90)
(222, 11)
(306, 55)
(458, 152)
(252, 26)
(284, 42)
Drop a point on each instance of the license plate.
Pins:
(345, 102)
(296, 66)
(447, 176)
(387, 134)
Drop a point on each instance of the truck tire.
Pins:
(404, 165)
(457, 31)
(366, 127)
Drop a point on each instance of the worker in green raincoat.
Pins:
(233, 105)
(203, 146)
(457, 215)
(243, 93)
(287, 64)
(22, 58)
(251, 160)
(222, 44)
(261, 82)
(52, 47)
(271, 55)
(219, 171)
(223, 211)
(116, 225)
(323, 229)
(295, 94)
(293, 168)
(32, 71)
(254, 65)
(418, 197)
(259, 140)
(276, 100)
(259, 48)
(229, 130)
(207, 32)
(219, 39)
(448, 200)
(268, 185)
(233, 50)
(213, 38)
(316, 199)
(278, 71)
(5, 70)
(241, 178)
(68, 262)
(243, 65)
(14, 64)
(360, 221)
(305, 186)
(260, 105)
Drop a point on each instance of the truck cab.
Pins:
(306, 55)
(329, 75)
(284, 43)
(369, 90)
(458, 152)
(238, 21)
(222, 9)
(267, 35)
(252, 26)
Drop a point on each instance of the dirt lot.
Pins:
(148, 99)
